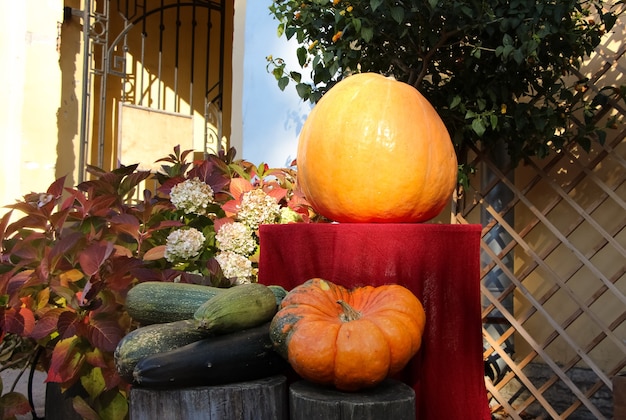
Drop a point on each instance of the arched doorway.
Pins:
(157, 74)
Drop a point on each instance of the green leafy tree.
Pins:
(498, 70)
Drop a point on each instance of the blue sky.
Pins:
(272, 118)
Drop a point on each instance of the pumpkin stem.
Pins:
(349, 313)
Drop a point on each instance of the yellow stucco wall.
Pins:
(30, 78)
(41, 84)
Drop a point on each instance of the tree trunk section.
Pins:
(389, 400)
(59, 405)
(263, 399)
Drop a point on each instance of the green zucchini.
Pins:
(153, 339)
(239, 356)
(279, 292)
(237, 308)
(155, 302)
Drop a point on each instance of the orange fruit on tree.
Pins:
(373, 149)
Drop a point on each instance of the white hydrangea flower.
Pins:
(183, 244)
(192, 196)
(235, 266)
(258, 208)
(236, 237)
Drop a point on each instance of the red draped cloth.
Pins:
(438, 263)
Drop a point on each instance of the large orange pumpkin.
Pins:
(375, 150)
(351, 339)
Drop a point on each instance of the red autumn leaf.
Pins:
(126, 224)
(238, 186)
(101, 206)
(122, 250)
(4, 222)
(47, 323)
(104, 334)
(210, 173)
(62, 246)
(95, 358)
(168, 184)
(15, 283)
(67, 359)
(29, 248)
(118, 278)
(14, 404)
(112, 378)
(18, 321)
(56, 188)
(68, 324)
(231, 207)
(155, 253)
(92, 258)
(166, 224)
(275, 191)
(83, 408)
(88, 297)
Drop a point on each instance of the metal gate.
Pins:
(162, 56)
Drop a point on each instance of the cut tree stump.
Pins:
(58, 405)
(619, 397)
(263, 399)
(390, 400)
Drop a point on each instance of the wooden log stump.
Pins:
(390, 400)
(58, 405)
(619, 397)
(262, 399)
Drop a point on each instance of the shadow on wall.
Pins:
(68, 122)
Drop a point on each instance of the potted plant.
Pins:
(68, 262)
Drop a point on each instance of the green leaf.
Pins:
(304, 90)
(609, 20)
(455, 102)
(367, 33)
(507, 50)
(283, 82)
(302, 55)
(117, 408)
(295, 76)
(518, 56)
(493, 120)
(397, 13)
(93, 383)
(278, 72)
(374, 4)
(290, 32)
(585, 143)
(478, 126)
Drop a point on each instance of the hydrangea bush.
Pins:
(67, 263)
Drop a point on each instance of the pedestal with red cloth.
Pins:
(439, 263)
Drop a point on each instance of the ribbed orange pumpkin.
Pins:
(351, 339)
(375, 150)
